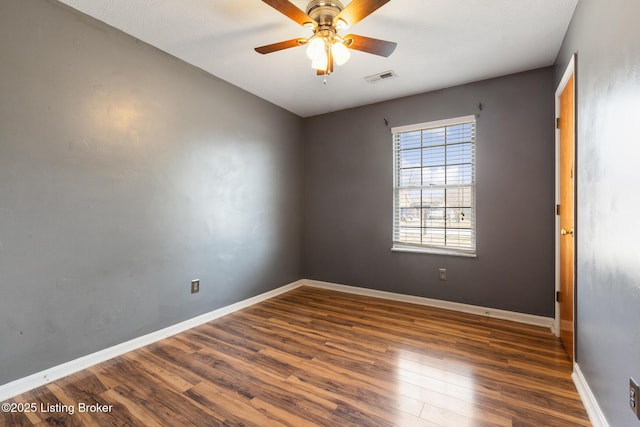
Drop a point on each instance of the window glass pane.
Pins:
(433, 237)
(459, 153)
(431, 137)
(433, 217)
(433, 156)
(459, 174)
(459, 133)
(459, 197)
(409, 140)
(433, 176)
(433, 197)
(409, 235)
(459, 218)
(409, 198)
(410, 158)
(410, 177)
(410, 217)
(458, 238)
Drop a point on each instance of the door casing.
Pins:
(569, 72)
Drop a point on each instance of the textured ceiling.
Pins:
(441, 43)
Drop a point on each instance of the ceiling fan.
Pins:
(325, 18)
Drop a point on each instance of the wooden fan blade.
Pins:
(280, 46)
(291, 10)
(357, 10)
(369, 45)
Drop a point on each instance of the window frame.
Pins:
(444, 249)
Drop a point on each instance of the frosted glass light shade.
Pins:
(316, 48)
(321, 63)
(340, 53)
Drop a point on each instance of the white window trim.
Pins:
(435, 250)
(434, 124)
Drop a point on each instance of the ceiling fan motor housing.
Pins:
(323, 11)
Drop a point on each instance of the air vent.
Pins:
(381, 76)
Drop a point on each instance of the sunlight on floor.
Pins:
(447, 396)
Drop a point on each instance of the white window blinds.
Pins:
(434, 186)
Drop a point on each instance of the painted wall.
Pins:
(348, 196)
(124, 174)
(607, 39)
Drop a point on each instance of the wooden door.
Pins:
(566, 178)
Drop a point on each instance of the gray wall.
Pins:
(348, 196)
(607, 39)
(124, 174)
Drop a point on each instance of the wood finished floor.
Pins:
(317, 357)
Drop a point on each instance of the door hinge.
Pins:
(557, 209)
(557, 296)
(557, 122)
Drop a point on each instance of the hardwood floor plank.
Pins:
(48, 409)
(316, 357)
(66, 394)
(387, 388)
(287, 413)
(215, 330)
(355, 400)
(148, 357)
(150, 392)
(236, 410)
(168, 378)
(456, 417)
(266, 384)
(141, 410)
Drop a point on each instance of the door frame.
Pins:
(569, 71)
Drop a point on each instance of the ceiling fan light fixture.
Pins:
(340, 52)
(326, 18)
(316, 48)
(321, 63)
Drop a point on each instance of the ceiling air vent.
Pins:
(381, 76)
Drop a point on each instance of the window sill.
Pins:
(434, 251)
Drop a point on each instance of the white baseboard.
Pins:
(529, 319)
(38, 379)
(588, 399)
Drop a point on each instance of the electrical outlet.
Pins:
(195, 286)
(442, 274)
(634, 397)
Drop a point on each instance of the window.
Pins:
(434, 187)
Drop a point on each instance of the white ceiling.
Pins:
(441, 43)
